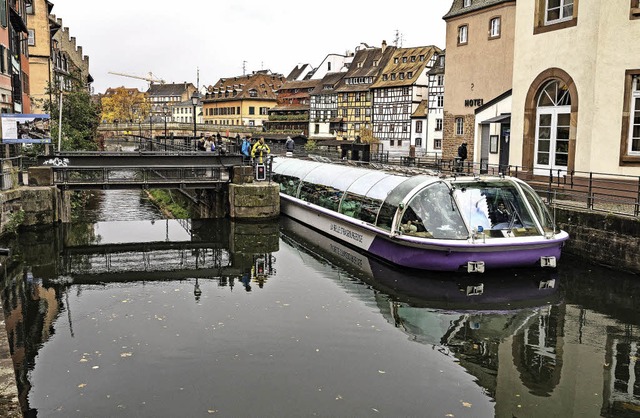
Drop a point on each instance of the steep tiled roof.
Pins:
(403, 62)
(263, 84)
(421, 110)
(366, 63)
(331, 79)
(457, 9)
(169, 89)
(302, 84)
(296, 72)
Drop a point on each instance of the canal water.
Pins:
(125, 313)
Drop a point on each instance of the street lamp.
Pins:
(194, 100)
(165, 109)
(151, 123)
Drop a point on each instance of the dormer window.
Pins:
(359, 65)
(404, 59)
(253, 93)
(385, 77)
(395, 60)
(466, 3)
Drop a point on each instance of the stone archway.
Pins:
(530, 112)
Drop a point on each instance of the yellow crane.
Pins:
(151, 78)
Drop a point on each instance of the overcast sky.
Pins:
(173, 39)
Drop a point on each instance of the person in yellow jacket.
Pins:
(259, 148)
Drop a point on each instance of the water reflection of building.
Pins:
(30, 311)
(553, 359)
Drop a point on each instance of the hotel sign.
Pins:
(473, 103)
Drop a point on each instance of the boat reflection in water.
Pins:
(427, 222)
(465, 317)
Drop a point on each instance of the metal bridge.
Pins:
(141, 169)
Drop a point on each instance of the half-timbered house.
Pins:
(397, 92)
(354, 94)
(324, 121)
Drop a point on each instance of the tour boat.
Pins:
(422, 221)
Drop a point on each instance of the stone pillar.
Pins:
(259, 200)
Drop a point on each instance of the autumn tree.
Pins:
(124, 105)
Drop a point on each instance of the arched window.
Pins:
(553, 124)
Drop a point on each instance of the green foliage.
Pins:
(16, 219)
(311, 145)
(164, 200)
(80, 117)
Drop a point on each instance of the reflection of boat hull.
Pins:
(437, 255)
(503, 290)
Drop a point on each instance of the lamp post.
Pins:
(194, 100)
(165, 109)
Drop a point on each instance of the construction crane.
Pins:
(151, 79)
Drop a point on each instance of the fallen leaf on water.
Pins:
(81, 385)
(449, 415)
(466, 404)
(374, 410)
(338, 397)
(126, 354)
(83, 360)
(95, 367)
(381, 371)
(212, 411)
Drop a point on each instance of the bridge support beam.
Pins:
(213, 204)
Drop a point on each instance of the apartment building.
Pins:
(480, 48)
(14, 62)
(242, 100)
(355, 99)
(397, 93)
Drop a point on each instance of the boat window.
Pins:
(495, 207)
(360, 207)
(288, 184)
(393, 199)
(432, 213)
(320, 195)
(539, 208)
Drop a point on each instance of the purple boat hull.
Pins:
(457, 257)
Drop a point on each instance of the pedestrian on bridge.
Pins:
(259, 148)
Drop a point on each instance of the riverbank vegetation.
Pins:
(169, 204)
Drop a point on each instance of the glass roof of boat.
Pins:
(361, 181)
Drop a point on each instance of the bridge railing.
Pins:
(113, 177)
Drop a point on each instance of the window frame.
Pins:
(561, 19)
(459, 125)
(463, 29)
(540, 18)
(627, 155)
(497, 35)
(634, 11)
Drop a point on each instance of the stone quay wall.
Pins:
(606, 239)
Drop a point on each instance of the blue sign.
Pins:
(24, 128)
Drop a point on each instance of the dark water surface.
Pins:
(125, 314)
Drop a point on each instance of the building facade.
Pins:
(576, 88)
(291, 114)
(480, 47)
(324, 122)
(14, 61)
(435, 107)
(355, 98)
(397, 93)
(243, 100)
(164, 97)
